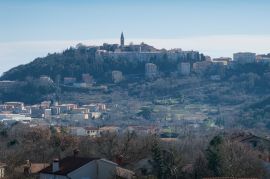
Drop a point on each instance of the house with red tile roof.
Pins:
(84, 168)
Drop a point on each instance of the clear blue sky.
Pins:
(79, 20)
(86, 19)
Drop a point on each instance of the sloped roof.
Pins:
(68, 165)
(34, 168)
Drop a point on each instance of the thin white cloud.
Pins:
(16, 53)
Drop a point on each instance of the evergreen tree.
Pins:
(213, 155)
(158, 162)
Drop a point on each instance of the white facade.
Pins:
(95, 115)
(85, 131)
(244, 57)
(64, 108)
(17, 106)
(47, 113)
(10, 118)
(92, 132)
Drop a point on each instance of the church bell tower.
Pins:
(122, 40)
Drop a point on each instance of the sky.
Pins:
(34, 28)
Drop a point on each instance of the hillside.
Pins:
(73, 62)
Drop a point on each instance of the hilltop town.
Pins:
(154, 85)
(88, 92)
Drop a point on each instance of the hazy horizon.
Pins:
(33, 28)
(16, 53)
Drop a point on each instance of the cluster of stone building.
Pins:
(87, 81)
(94, 132)
(189, 61)
(11, 112)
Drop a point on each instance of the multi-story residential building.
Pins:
(85, 131)
(109, 129)
(92, 132)
(101, 106)
(77, 131)
(47, 113)
(36, 111)
(45, 104)
(201, 67)
(244, 57)
(151, 70)
(64, 108)
(17, 106)
(77, 117)
(117, 76)
(263, 58)
(91, 107)
(11, 118)
(95, 107)
(55, 110)
(3, 108)
(224, 60)
(80, 110)
(184, 68)
(95, 115)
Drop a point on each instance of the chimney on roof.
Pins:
(76, 153)
(27, 168)
(28, 163)
(55, 165)
(119, 159)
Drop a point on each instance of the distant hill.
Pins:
(98, 61)
(73, 62)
